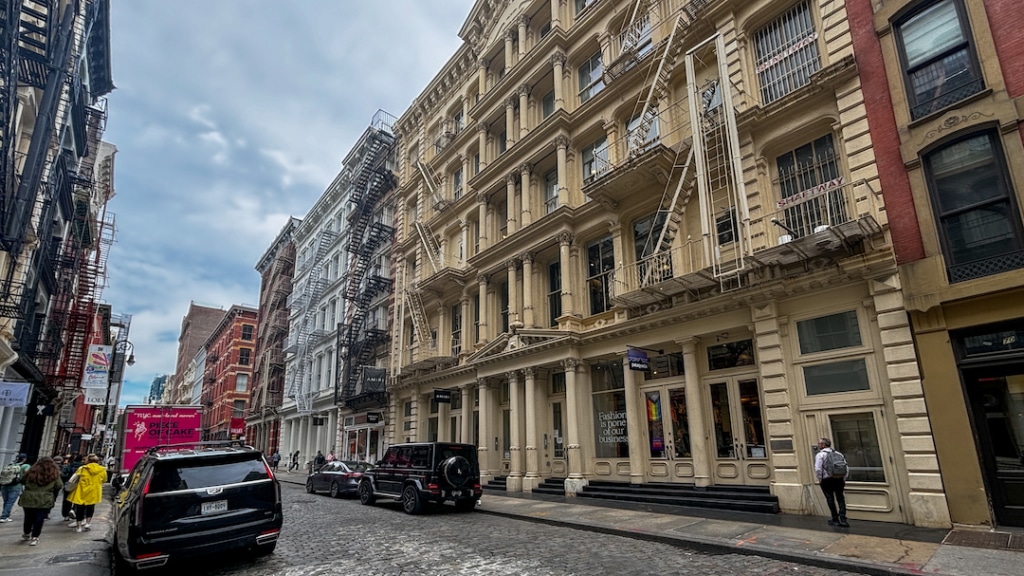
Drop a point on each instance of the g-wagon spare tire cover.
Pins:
(457, 470)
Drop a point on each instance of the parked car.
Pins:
(180, 502)
(419, 473)
(340, 477)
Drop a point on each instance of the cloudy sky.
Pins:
(229, 117)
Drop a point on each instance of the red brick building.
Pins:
(944, 94)
(228, 372)
(196, 327)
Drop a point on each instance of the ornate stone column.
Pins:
(444, 432)
(466, 429)
(482, 131)
(513, 290)
(524, 96)
(556, 20)
(526, 195)
(422, 416)
(528, 319)
(463, 254)
(634, 420)
(558, 63)
(482, 68)
(515, 390)
(562, 146)
(699, 448)
(574, 453)
(565, 240)
(488, 447)
(510, 120)
(523, 22)
(532, 478)
(481, 199)
(510, 36)
(510, 202)
(482, 320)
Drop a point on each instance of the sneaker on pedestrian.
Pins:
(26, 536)
(86, 526)
(33, 542)
(833, 522)
(843, 523)
(78, 528)
(5, 520)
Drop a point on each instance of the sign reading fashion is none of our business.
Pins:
(612, 427)
(637, 360)
(97, 367)
(443, 396)
(14, 394)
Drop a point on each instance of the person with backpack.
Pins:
(831, 469)
(11, 484)
(42, 484)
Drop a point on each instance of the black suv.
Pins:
(424, 472)
(180, 502)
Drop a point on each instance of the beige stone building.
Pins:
(587, 188)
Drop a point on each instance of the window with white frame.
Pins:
(787, 53)
(940, 65)
(548, 104)
(833, 334)
(595, 159)
(332, 313)
(329, 367)
(975, 206)
(551, 191)
(634, 140)
(244, 356)
(591, 78)
(458, 122)
(456, 328)
(554, 292)
(503, 298)
(241, 382)
(582, 5)
(856, 437)
(600, 270)
(457, 184)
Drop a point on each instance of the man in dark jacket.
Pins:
(66, 473)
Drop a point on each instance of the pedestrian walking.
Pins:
(71, 465)
(831, 469)
(59, 461)
(330, 456)
(42, 484)
(295, 462)
(275, 459)
(11, 486)
(88, 491)
(319, 461)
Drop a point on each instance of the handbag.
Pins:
(69, 486)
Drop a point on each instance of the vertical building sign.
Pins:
(97, 367)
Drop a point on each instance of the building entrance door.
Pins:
(554, 463)
(668, 435)
(997, 405)
(739, 452)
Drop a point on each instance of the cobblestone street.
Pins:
(327, 536)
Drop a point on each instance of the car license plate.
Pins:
(456, 493)
(215, 507)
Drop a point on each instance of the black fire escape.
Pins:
(362, 384)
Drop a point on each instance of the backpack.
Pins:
(11, 474)
(835, 464)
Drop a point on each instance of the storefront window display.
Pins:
(609, 398)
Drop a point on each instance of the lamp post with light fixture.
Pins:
(120, 348)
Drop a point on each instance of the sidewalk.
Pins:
(61, 550)
(866, 547)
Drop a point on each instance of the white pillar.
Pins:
(515, 476)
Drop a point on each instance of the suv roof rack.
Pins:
(199, 445)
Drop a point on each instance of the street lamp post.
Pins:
(119, 347)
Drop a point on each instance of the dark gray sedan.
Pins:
(340, 477)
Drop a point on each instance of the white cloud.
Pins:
(226, 131)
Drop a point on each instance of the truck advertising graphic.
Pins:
(149, 426)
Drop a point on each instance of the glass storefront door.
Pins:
(668, 435)
(554, 457)
(739, 451)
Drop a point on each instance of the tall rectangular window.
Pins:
(609, 400)
(457, 184)
(456, 316)
(600, 267)
(595, 159)
(978, 218)
(591, 77)
(554, 292)
(238, 409)
(548, 104)
(582, 5)
(241, 383)
(551, 191)
(939, 63)
(476, 318)
(502, 142)
(636, 142)
(787, 53)
(854, 435)
(244, 356)
(503, 297)
(247, 330)
(803, 174)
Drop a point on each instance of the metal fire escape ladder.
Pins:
(660, 86)
(430, 246)
(10, 17)
(720, 185)
(434, 185)
(419, 317)
(18, 211)
(314, 288)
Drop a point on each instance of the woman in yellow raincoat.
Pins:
(88, 492)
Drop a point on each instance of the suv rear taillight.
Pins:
(477, 488)
(142, 499)
(434, 489)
